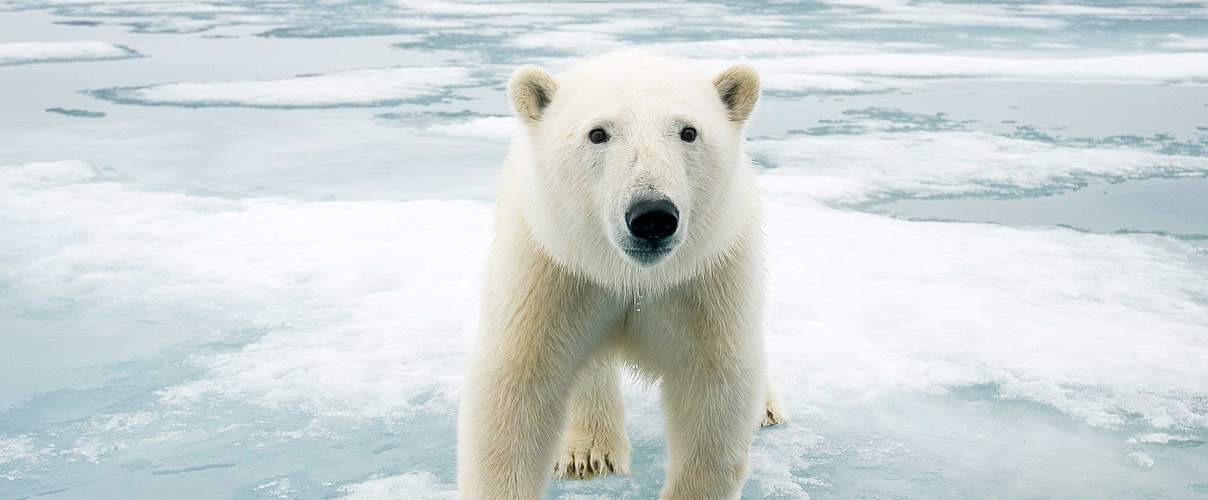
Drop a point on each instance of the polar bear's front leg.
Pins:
(511, 415)
(711, 416)
(707, 343)
(595, 440)
(538, 329)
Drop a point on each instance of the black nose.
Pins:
(652, 220)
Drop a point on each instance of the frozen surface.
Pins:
(369, 87)
(49, 52)
(245, 264)
(852, 168)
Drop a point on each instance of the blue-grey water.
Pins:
(1176, 206)
(986, 225)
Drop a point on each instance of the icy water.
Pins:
(1176, 206)
(986, 224)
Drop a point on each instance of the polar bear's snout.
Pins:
(652, 222)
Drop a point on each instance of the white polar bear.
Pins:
(627, 227)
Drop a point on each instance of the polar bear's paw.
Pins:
(773, 413)
(589, 455)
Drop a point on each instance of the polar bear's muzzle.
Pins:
(652, 220)
(652, 224)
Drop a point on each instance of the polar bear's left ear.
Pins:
(531, 90)
(738, 88)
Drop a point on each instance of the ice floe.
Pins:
(1153, 68)
(880, 72)
(794, 67)
(208, 251)
(497, 22)
(1057, 317)
(1045, 316)
(858, 168)
(1002, 15)
(1181, 42)
(366, 308)
(465, 124)
(364, 87)
(13, 53)
(1163, 438)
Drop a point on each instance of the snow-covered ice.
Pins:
(252, 271)
(1044, 318)
(366, 87)
(406, 485)
(1142, 68)
(859, 168)
(48, 52)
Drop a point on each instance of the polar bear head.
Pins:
(635, 171)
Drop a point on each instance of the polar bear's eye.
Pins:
(688, 134)
(597, 135)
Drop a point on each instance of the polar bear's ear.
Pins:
(531, 90)
(738, 88)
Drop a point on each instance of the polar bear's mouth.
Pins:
(646, 254)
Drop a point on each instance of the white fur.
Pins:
(562, 303)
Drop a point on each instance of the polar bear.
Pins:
(628, 228)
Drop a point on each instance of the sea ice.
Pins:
(464, 124)
(365, 87)
(1150, 68)
(1106, 329)
(274, 302)
(48, 52)
(415, 485)
(858, 168)
(882, 72)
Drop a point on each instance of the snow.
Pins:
(367, 87)
(249, 236)
(1141, 459)
(882, 72)
(1048, 16)
(423, 486)
(1133, 67)
(1180, 42)
(803, 66)
(799, 83)
(231, 249)
(853, 169)
(13, 449)
(906, 12)
(1039, 316)
(496, 128)
(12, 53)
(1166, 439)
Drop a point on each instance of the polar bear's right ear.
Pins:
(531, 90)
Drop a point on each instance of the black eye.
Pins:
(597, 135)
(688, 134)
